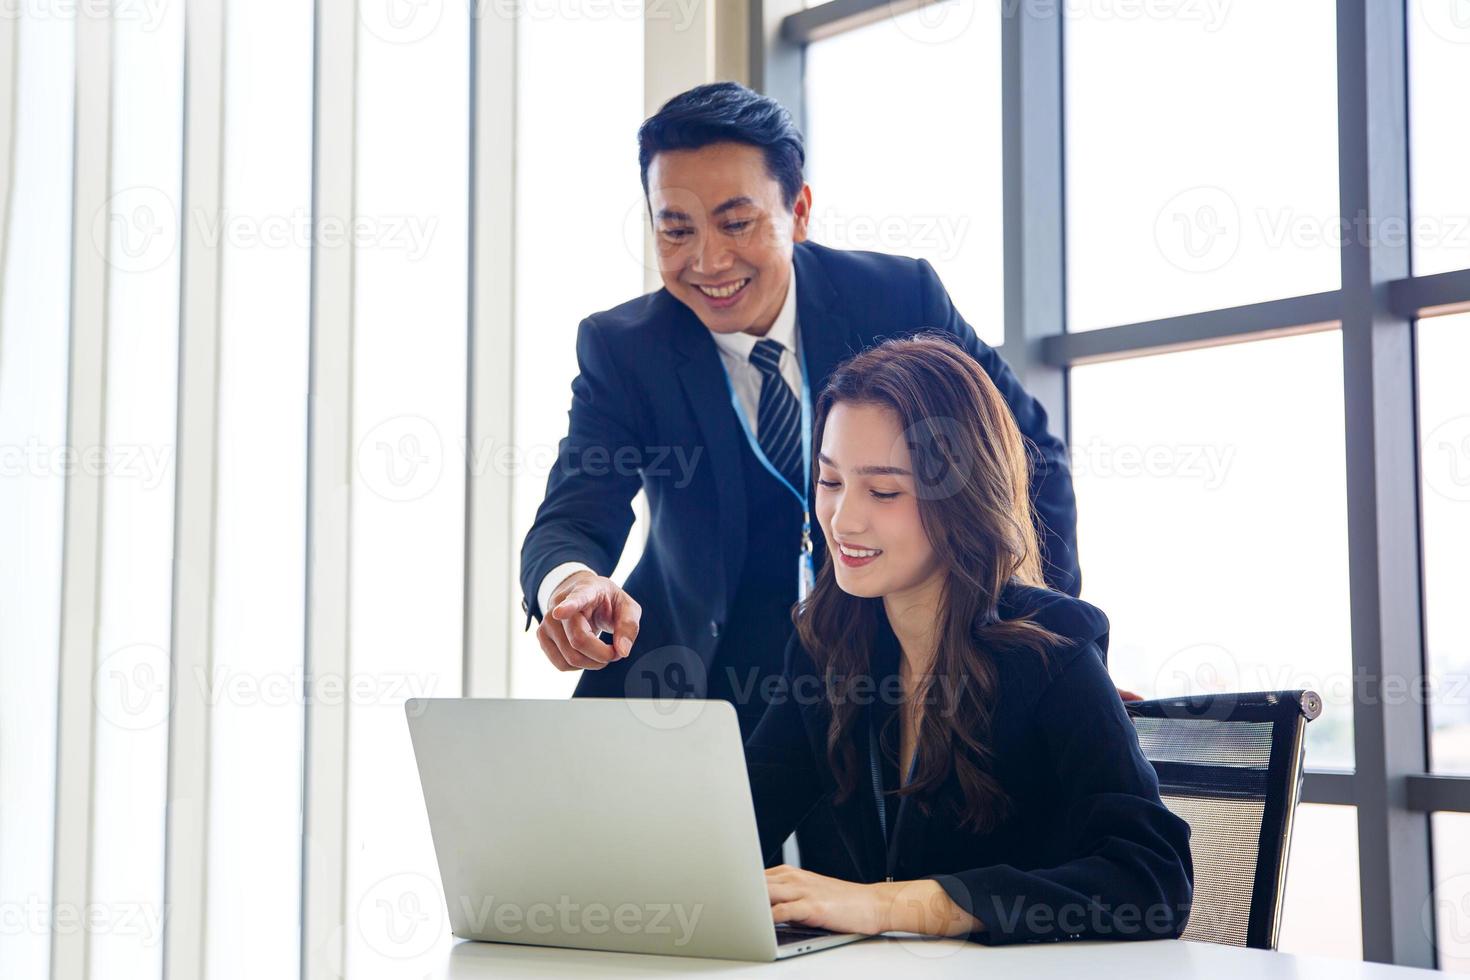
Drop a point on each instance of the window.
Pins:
(1201, 146)
(1212, 527)
(904, 150)
(1444, 427)
(409, 404)
(1321, 913)
(33, 408)
(1439, 80)
(134, 623)
(583, 222)
(1449, 905)
(257, 724)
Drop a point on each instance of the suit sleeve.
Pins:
(1130, 875)
(1052, 497)
(778, 757)
(587, 511)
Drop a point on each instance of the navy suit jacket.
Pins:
(1088, 851)
(651, 409)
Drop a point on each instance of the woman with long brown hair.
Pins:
(930, 647)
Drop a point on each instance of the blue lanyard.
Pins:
(805, 567)
(890, 853)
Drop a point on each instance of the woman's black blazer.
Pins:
(1087, 851)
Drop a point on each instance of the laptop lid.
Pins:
(612, 824)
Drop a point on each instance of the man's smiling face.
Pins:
(723, 234)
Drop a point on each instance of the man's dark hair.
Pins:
(724, 112)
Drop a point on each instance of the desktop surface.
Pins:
(885, 957)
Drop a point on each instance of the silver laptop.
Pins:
(607, 824)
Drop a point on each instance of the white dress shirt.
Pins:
(745, 378)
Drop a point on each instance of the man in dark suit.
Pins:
(695, 393)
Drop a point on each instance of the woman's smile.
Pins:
(855, 557)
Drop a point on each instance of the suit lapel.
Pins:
(703, 377)
(827, 337)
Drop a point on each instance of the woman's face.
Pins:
(866, 504)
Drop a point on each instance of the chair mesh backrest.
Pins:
(1230, 766)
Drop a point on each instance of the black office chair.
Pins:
(1231, 766)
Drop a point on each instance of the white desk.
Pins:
(886, 958)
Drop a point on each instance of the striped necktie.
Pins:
(778, 418)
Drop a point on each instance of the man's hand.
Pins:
(1129, 695)
(582, 607)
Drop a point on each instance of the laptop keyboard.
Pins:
(786, 934)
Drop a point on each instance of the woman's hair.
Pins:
(971, 478)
